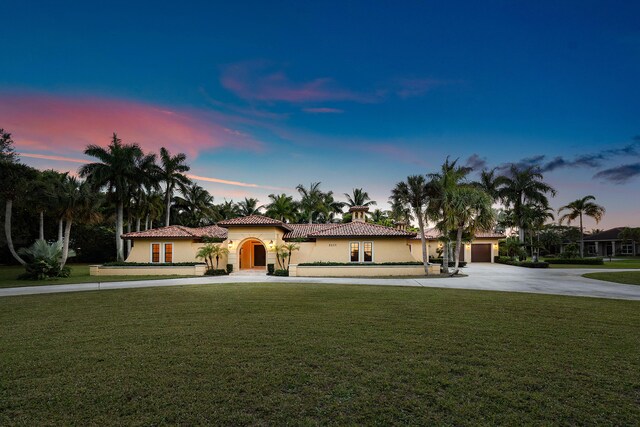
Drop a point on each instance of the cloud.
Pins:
(50, 157)
(40, 121)
(323, 110)
(413, 87)
(260, 81)
(527, 162)
(619, 174)
(476, 162)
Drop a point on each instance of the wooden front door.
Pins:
(259, 256)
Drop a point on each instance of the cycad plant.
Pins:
(43, 261)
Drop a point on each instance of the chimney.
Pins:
(358, 213)
(400, 225)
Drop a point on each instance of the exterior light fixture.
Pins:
(230, 243)
(271, 244)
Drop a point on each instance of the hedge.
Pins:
(216, 272)
(151, 264)
(358, 264)
(580, 261)
(229, 268)
(529, 264)
(451, 263)
(281, 273)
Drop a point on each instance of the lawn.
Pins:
(619, 263)
(317, 354)
(79, 274)
(626, 277)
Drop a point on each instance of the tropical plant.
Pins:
(512, 248)
(206, 253)
(413, 194)
(172, 173)
(488, 182)
(195, 206)
(7, 152)
(579, 208)
(249, 206)
(311, 200)
(522, 186)
(225, 210)
(117, 172)
(218, 251)
(359, 197)
(43, 261)
(329, 208)
(281, 255)
(282, 207)
(289, 248)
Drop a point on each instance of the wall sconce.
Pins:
(271, 244)
(468, 245)
(230, 244)
(495, 246)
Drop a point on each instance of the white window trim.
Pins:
(162, 252)
(626, 249)
(361, 252)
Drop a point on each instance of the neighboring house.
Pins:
(608, 243)
(483, 248)
(251, 241)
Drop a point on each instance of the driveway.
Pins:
(488, 277)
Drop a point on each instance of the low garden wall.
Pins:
(359, 270)
(148, 270)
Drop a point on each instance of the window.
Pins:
(168, 252)
(155, 252)
(368, 251)
(626, 249)
(355, 252)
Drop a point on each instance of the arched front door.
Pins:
(253, 255)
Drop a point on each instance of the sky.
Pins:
(263, 96)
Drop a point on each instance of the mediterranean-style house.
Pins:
(358, 245)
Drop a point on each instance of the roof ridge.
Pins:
(327, 229)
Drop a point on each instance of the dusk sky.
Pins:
(263, 96)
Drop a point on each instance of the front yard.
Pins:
(317, 354)
(79, 274)
(616, 263)
(625, 277)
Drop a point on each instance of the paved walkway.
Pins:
(490, 277)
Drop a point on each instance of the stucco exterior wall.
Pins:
(432, 246)
(183, 251)
(360, 271)
(239, 235)
(338, 250)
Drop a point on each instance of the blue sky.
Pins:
(362, 94)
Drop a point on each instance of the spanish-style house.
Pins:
(357, 245)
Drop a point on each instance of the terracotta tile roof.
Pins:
(255, 220)
(179, 232)
(610, 234)
(301, 231)
(433, 234)
(359, 229)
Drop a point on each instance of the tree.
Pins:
(7, 153)
(535, 216)
(577, 209)
(311, 201)
(249, 206)
(488, 182)
(441, 187)
(172, 173)
(225, 210)
(289, 248)
(359, 197)
(44, 261)
(195, 205)
(413, 194)
(206, 253)
(282, 207)
(329, 208)
(217, 251)
(520, 187)
(116, 170)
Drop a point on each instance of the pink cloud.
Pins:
(323, 110)
(256, 80)
(58, 124)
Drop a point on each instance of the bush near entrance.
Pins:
(529, 264)
(151, 264)
(581, 261)
(357, 264)
(284, 273)
(216, 272)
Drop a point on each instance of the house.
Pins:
(483, 248)
(609, 243)
(359, 247)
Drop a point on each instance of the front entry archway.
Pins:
(252, 255)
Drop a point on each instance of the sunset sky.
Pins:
(263, 96)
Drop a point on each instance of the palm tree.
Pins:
(520, 187)
(225, 210)
(153, 203)
(413, 194)
(442, 185)
(282, 207)
(196, 204)
(289, 248)
(218, 251)
(359, 197)
(311, 200)
(42, 195)
(7, 153)
(378, 216)
(117, 171)
(577, 209)
(172, 173)
(206, 253)
(488, 183)
(329, 208)
(249, 206)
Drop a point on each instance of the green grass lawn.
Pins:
(626, 277)
(620, 263)
(79, 274)
(317, 354)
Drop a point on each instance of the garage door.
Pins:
(481, 252)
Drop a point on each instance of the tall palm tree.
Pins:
(577, 209)
(329, 208)
(196, 204)
(311, 200)
(535, 217)
(359, 197)
(520, 187)
(172, 173)
(7, 152)
(282, 207)
(225, 210)
(153, 205)
(249, 206)
(413, 194)
(148, 180)
(116, 170)
(488, 183)
(442, 185)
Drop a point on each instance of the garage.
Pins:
(481, 252)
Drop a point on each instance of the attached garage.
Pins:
(481, 252)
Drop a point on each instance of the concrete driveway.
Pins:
(489, 277)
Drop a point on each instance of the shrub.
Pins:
(229, 268)
(43, 261)
(149, 264)
(572, 250)
(216, 272)
(451, 263)
(580, 261)
(270, 269)
(281, 273)
(529, 264)
(359, 264)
